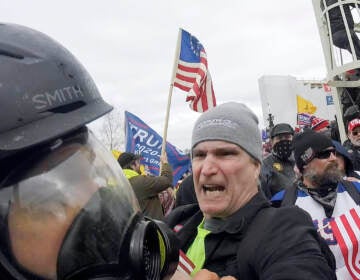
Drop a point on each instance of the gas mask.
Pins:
(67, 212)
(283, 149)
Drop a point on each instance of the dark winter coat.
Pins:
(186, 192)
(354, 153)
(147, 189)
(259, 242)
(276, 174)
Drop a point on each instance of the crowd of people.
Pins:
(69, 210)
(309, 168)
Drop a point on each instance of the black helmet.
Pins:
(281, 128)
(60, 188)
(44, 91)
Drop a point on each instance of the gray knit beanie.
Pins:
(231, 122)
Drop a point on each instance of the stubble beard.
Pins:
(356, 142)
(331, 175)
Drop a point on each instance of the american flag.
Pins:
(303, 119)
(185, 264)
(192, 74)
(346, 229)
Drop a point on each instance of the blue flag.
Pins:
(143, 140)
(264, 135)
(190, 48)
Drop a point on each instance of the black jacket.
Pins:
(186, 192)
(147, 189)
(259, 242)
(354, 153)
(276, 174)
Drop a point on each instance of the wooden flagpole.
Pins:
(176, 58)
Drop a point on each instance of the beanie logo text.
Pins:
(217, 122)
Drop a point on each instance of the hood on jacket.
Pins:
(349, 168)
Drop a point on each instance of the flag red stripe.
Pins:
(184, 267)
(189, 98)
(191, 69)
(188, 261)
(355, 216)
(185, 263)
(353, 240)
(203, 60)
(197, 70)
(342, 243)
(180, 86)
(185, 78)
(204, 99)
(202, 74)
(213, 96)
(196, 89)
(187, 69)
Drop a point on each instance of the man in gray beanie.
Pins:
(233, 230)
(234, 123)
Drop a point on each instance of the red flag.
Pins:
(327, 88)
(192, 74)
(346, 229)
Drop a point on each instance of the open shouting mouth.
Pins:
(213, 188)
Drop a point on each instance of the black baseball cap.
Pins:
(126, 158)
(281, 128)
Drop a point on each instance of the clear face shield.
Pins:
(68, 212)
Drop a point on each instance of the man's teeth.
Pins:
(208, 188)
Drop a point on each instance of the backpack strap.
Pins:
(290, 196)
(352, 190)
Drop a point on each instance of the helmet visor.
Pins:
(45, 199)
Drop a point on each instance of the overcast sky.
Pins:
(128, 48)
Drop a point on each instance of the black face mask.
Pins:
(283, 149)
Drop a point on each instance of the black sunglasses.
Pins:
(325, 154)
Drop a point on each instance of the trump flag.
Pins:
(143, 140)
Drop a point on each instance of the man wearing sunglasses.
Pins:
(352, 145)
(323, 193)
